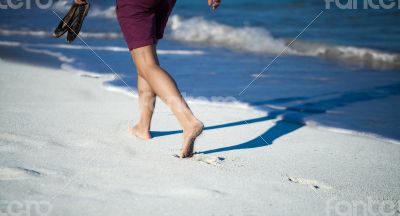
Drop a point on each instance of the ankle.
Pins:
(142, 126)
(193, 124)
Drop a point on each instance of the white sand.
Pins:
(64, 142)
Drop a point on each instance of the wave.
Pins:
(254, 40)
(62, 58)
(10, 44)
(355, 55)
(259, 40)
(6, 32)
(247, 39)
(199, 30)
(80, 72)
(96, 48)
(58, 55)
(108, 13)
(35, 33)
(100, 35)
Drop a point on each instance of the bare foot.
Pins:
(189, 136)
(138, 132)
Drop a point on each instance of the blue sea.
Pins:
(296, 60)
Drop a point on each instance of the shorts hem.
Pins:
(137, 44)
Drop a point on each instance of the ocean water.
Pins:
(342, 71)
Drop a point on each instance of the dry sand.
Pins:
(64, 145)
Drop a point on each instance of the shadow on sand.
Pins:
(292, 118)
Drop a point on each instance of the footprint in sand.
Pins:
(309, 182)
(212, 160)
(196, 193)
(17, 173)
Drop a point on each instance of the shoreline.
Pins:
(64, 141)
(61, 61)
(201, 100)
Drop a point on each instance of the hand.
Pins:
(214, 4)
(80, 2)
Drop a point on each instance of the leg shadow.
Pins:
(279, 129)
(231, 124)
(293, 116)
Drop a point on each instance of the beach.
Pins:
(64, 143)
(302, 66)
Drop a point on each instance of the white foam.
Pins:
(100, 48)
(23, 32)
(80, 72)
(218, 101)
(81, 47)
(351, 54)
(108, 13)
(259, 40)
(180, 52)
(57, 55)
(100, 35)
(118, 49)
(36, 33)
(130, 92)
(10, 44)
(250, 39)
(362, 53)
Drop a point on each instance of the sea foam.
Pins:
(259, 40)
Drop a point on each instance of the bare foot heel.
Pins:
(145, 135)
(189, 137)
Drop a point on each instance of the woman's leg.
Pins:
(147, 99)
(164, 86)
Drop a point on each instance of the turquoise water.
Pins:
(342, 72)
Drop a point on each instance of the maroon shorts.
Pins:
(143, 21)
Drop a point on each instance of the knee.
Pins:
(146, 93)
(146, 69)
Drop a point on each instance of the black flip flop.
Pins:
(77, 21)
(65, 22)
